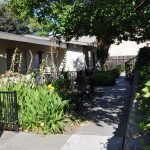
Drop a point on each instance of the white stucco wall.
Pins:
(74, 58)
(125, 48)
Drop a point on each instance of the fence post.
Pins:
(16, 111)
(8, 110)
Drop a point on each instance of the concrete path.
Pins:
(30, 141)
(108, 117)
(107, 114)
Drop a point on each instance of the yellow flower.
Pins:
(50, 87)
(42, 124)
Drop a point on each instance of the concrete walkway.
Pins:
(107, 114)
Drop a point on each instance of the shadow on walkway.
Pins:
(1, 131)
(109, 107)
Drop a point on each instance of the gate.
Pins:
(8, 111)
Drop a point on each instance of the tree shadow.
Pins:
(78, 64)
(110, 106)
(1, 131)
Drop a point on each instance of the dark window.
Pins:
(86, 59)
(93, 59)
(9, 57)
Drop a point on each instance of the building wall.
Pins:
(30, 60)
(74, 58)
(53, 61)
(78, 57)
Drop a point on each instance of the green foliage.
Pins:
(144, 98)
(143, 58)
(104, 78)
(122, 69)
(115, 72)
(40, 110)
(147, 148)
(41, 29)
(144, 73)
(63, 83)
(102, 54)
(107, 20)
(9, 23)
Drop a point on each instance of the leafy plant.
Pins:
(144, 98)
(104, 78)
(10, 23)
(143, 58)
(40, 109)
(62, 83)
(115, 72)
(147, 148)
(144, 106)
(144, 73)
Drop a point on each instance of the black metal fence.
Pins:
(129, 67)
(71, 75)
(117, 60)
(8, 111)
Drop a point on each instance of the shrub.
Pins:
(115, 72)
(143, 58)
(40, 109)
(104, 78)
(122, 69)
(144, 106)
(143, 97)
(144, 73)
(62, 83)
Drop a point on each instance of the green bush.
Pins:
(122, 69)
(63, 83)
(144, 74)
(104, 78)
(143, 98)
(115, 72)
(40, 109)
(143, 58)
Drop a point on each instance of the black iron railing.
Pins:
(71, 75)
(129, 67)
(8, 111)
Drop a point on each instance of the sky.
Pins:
(125, 48)
(1, 1)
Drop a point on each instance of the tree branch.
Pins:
(139, 5)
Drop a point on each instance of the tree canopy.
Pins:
(9, 23)
(108, 20)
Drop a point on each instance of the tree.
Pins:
(102, 54)
(108, 20)
(9, 23)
